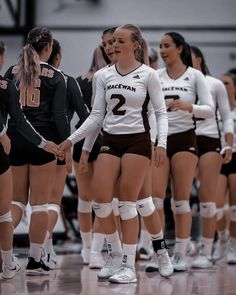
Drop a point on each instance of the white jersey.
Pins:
(210, 127)
(189, 88)
(223, 143)
(122, 102)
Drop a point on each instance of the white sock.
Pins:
(181, 245)
(144, 239)
(35, 251)
(97, 242)
(158, 236)
(129, 253)
(232, 241)
(48, 247)
(7, 257)
(114, 243)
(86, 239)
(223, 235)
(207, 245)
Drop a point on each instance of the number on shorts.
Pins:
(121, 102)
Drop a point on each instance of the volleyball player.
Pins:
(74, 103)
(122, 96)
(181, 85)
(210, 155)
(42, 93)
(9, 105)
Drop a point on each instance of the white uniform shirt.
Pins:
(210, 127)
(121, 104)
(223, 143)
(190, 86)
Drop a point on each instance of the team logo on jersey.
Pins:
(186, 79)
(136, 77)
(104, 148)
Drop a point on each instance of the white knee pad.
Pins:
(6, 217)
(158, 202)
(115, 206)
(39, 208)
(219, 213)
(84, 206)
(180, 207)
(145, 207)
(54, 207)
(127, 210)
(208, 209)
(233, 213)
(20, 205)
(102, 210)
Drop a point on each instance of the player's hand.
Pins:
(177, 104)
(6, 143)
(52, 148)
(226, 153)
(159, 156)
(64, 147)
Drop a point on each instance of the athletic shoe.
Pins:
(231, 255)
(85, 253)
(179, 262)
(124, 275)
(35, 268)
(50, 260)
(96, 260)
(191, 249)
(202, 261)
(8, 272)
(165, 266)
(144, 254)
(112, 264)
(220, 249)
(153, 265)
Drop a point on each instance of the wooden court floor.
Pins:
(74, 278)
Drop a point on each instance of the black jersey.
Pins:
(86, 87)
(9, 104)
(45, 104)
(75, 101)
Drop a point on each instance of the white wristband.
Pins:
(225, 149)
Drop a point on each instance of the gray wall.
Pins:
(188, 17)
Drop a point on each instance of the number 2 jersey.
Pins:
(190, 87)
(121, 103)
(45, 104)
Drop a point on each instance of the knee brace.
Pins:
(115, 206)
(54, 207)
(102, 210)
(39, 208)
(6, 217)
(84, 206)
(208, 209)
(233, 213)
(180, 207)
(127, 210)
(158, 202)
(145, 207)
(20, 205)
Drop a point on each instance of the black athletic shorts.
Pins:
(182, 142)
(120, 144)
(24, 152)
(4, 161)
(207, 144)
(77, 150)
(229, 168)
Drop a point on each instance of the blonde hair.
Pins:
(141, 53)
(28, 66)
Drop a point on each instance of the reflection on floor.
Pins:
(74, 278)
